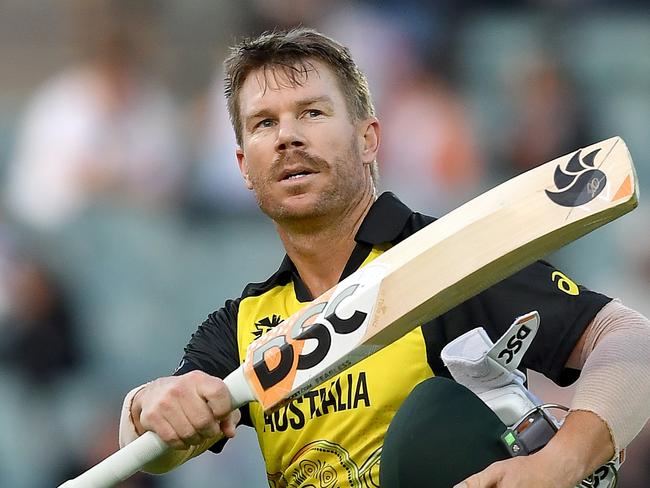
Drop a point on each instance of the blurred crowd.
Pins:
(124, 221)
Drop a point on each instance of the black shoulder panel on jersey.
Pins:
(213, 347)
(563, 320)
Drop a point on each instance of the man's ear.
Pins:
(243, 168)
(370, 133)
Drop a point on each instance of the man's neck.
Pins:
(321, 251)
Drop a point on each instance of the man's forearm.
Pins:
(610, 404)
(582, 444)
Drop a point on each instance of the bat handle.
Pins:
(122, 464)
(240, 391)
(132, 457)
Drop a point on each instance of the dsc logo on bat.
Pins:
(335, 323)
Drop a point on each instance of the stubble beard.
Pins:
(341, 191)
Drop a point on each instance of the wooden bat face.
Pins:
(439, 267)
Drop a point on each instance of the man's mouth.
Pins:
(295, 174)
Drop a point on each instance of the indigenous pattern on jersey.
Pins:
(333, 435)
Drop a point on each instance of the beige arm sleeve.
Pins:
(169, 460)
(615, 379)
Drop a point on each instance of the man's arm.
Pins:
(189, 412)
(615, 378)
(608, 410)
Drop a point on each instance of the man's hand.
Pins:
(185, 410)
(527, 471)
(582, 444)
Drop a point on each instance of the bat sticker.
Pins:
(579, 183)
(318, 335)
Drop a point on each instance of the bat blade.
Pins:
(442, 265)
(437, 268)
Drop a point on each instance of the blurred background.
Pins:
(123, 220)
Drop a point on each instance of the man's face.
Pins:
(301, 153)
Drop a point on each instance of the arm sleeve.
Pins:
(615, 379)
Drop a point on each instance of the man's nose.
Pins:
(289, 136)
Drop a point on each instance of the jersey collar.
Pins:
(382, 224)
(384, 221)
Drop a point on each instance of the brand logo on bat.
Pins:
(276, 358)
(579, 183)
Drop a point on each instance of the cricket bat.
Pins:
(449, 261)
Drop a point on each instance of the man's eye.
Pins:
(264, 123)
(314, 113)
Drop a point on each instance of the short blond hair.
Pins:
(292, 52)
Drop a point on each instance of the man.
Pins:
(308, 140)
